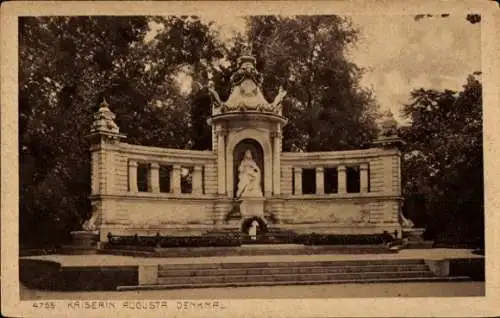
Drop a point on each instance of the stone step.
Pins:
(293, 282)
(77, 250)
(200, 266)
(290, 270)
(126, 252)
(223, 251)
(237, 251)
(290, 277)
(244, 250)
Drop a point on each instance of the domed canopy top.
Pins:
(246, 90)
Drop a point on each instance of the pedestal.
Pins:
(85, 238)
(413, 238)
(252, 207)
(83, 242)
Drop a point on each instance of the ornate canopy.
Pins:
(246, 90)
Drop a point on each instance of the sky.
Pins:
(400, 54)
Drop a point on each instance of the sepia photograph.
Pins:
(186, 160)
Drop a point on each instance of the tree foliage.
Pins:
(67, 66)
(443, 162)
(327, 108)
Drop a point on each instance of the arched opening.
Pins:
(261, 229)
(257, 155)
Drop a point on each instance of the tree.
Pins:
(67, 66)
(443, 163)
(326, 107)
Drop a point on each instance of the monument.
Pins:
(138, 190)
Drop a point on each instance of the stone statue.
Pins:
(217, 102)
(90, 224)
(406, 223)
(279, 98)
(252, 231)
(249, 176)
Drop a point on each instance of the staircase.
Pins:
(289, 273)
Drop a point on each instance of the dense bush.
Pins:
(323, 239)
(174, 241)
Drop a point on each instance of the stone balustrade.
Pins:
(155, 170)
(341, 172)
(175, 174)
(341, 179)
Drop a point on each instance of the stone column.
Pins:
(171, 179)
(320, 180)
(276, 163)
(197, 180)
(342, 179)
(221, 162)
(132, 176)
(363, 177)
(298, 180)
(154, 177)
(176, 179)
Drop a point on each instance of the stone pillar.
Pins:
(298, 180)
(276, 163)
(342, 179)
(221, 162)
(95, 175)
(176, 179)
(363, 177)
(108, 175)
(154, 177)
(197, 180)
(171, 180)
(320, 180)
(132, 176)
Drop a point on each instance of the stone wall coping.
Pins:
(346, 196)
(188, 197)
(167, 152)
(349, 226)
(164, 226)
(338, 155)
(212, 197)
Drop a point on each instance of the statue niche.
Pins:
(248, 170)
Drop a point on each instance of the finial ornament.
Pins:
(246, 59)
(388, 134)
(246, 50)
(104, 103)
(388, 125)
(104, 119)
